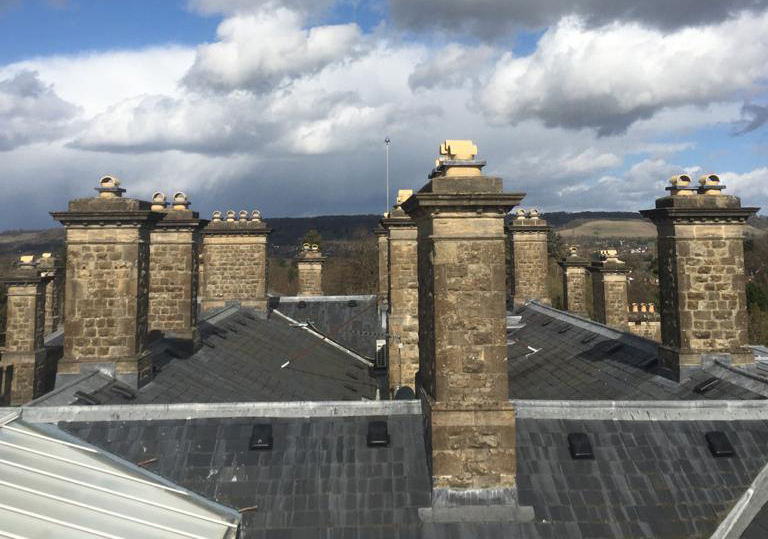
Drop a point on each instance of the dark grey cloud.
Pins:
(755, 116)
(30, 111)
(492, 18)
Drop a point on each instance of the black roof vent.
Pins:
(86, 398)
(261, 437)
(648, 363)
(615, 347)
(351, 388)
(706, 385)
(241, 322)
(719, 444)
(378, 436)
(301, 304)
(208, 343)
(123, 391)
(565, 328)
(405, 393)
(579, 446)
(352, 303)
(352, 375)
(589, 338)
(546, 322)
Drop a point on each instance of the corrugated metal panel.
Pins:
(52, 485)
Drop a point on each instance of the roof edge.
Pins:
(150, 412)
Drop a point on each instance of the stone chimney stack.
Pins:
(382, 244)
(235, 254)
(50, 268)
(701, 274)
(25, 326)
(575, 282)
(403, 319)
(462, 378)
(609, 290)
(530, 264)
(107, 284)
(173, 271)
(310, 262)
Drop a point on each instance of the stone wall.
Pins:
(701, 274)
(529, 254)
(235, 259)
(173, 281)
(403, 325)
(609, 289)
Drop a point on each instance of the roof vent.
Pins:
(123, 391)
(241, 322)
(378, 436)
(579, 446)
(405, 393)
(301, 304)
(614, 347)
(719, 444)
(352, 303)
(352, 375)
(706, 385)
(565, 328)
(589, 338)
(546, 322)
(351, 388)
(86, 398)
(261, 437)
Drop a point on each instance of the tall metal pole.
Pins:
(386, 143)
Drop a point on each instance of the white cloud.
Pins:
(260, 51)
(31, 111)
(607, 78)
(450, 66)
(751, 186)
(231, 7)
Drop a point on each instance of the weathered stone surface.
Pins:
(462, 376)
(382, 243)
(50, 267)
(235, 259)
(403, 319)
(575, 289)
(529, 257)
(309, 263)
(107, 284)
(701, 276)
(173, 274)
(609, 294)
(25, 326)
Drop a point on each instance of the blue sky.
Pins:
(283, 105)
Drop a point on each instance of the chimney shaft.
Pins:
(462, 378)
(403, 318)
(173, 273)
(235, 259)
(609, 290)
(529, 257)
(25, 326)
(107, 284)
(382, 244)
(49, 267)
(310, 262)
(701, 274)
(575, 283)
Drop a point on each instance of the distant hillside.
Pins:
(629, 228)
(290, 230)
(560, 219)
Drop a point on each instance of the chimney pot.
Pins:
(216, 216)
(231, 216)
(180, 201)
(158, 202)
(109, 187)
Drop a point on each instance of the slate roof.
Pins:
(243, 358)
(352, 321)
(649, 478)
(556, 355)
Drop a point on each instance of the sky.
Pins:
(284, 105)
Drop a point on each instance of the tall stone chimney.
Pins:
(462, 380)
(701, 274)
(25, 326)
(575, 282)
(403, 318)
(235, 259)
(382, 245)
(310, 262)
(530, 264)
(50, 267)
(107, 284)
(173, 271)
(609, 290)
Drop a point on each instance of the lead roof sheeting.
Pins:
(49, 489)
